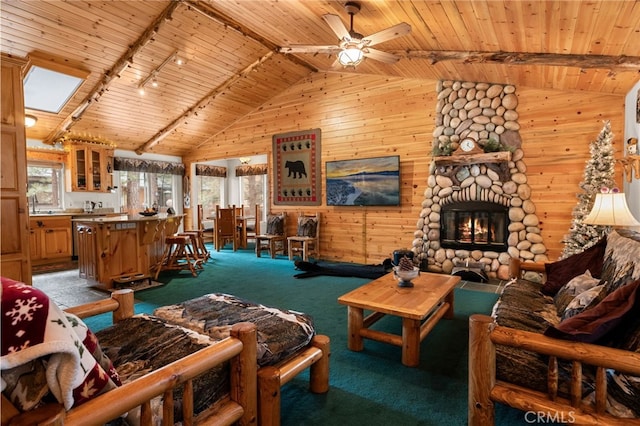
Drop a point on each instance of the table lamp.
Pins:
(610, 209)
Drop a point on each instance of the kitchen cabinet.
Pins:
(89, 168)
(50, 239)
(14, 233)
(87, 249)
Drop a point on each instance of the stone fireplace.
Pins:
(474, 225)
(477, 207)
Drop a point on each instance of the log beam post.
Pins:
(244, 373)
(319, 370)
(482, 371)
(269, 396)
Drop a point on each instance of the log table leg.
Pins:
(355, 323)
(410, 342)
(449, 298)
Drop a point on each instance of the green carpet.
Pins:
(371, 387)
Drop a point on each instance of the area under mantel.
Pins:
(466, 159)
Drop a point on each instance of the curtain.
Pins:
(251, 170)
(148, 166)
(208, 170)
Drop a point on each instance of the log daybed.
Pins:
(253, 395)
(580, 367)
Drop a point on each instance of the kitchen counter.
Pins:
(75, 213)
(113, 246)
(123, 218)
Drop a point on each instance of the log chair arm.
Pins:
(517, 268)
(485, 389)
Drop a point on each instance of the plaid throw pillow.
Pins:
(307, 226)
(275, 225)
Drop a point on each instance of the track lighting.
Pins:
(152, 77)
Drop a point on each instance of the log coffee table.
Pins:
(420, 308)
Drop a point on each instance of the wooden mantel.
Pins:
(467, 159)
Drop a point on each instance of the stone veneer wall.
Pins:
(482, 111)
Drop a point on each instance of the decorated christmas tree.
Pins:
(598, 173)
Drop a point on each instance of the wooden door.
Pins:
(14, 239)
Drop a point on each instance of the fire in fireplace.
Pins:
(474, 225)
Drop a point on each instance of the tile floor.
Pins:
(67, 289)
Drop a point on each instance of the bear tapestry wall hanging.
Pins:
(296, 174)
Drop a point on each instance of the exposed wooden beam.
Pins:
(204, 9)
(202, 103)
(613, 63)
(101, 87)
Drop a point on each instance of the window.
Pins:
(45, 185)
(141, 190)
(253, 191)
(210, 193)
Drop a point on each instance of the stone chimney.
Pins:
(487, 113)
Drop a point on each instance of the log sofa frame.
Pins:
(241, 407)
(485, 390)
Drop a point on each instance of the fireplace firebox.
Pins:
(474, 225)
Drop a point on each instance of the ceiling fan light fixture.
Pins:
(350, 56)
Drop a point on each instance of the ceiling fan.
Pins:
(353, 46)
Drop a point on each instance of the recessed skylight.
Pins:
(47, 90)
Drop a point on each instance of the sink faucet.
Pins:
(34, 202)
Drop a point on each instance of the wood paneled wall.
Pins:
(367, 116)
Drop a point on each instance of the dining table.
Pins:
(241, 222)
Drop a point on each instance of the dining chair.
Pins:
(274, 239)
(252, 225)
(225, 227)
(307, 238)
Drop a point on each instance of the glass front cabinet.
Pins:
(89, 169)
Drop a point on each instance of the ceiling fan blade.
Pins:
(378, 55)
(337, 26)
(397, 30)
(310, 48)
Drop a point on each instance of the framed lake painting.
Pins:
(363, 182)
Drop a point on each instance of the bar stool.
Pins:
(178, 255)
(197, 243)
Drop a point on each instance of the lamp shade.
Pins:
(610, 210)
(350, 56)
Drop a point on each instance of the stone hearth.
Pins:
(487, 113)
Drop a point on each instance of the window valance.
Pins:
(209, 170)
(147, 166)
(251, 170)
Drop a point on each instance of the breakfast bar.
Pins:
(127, 245)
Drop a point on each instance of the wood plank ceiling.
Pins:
(234, 65)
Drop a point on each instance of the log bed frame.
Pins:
(254, 397)
(485, 390)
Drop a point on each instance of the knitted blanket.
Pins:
(46, 352)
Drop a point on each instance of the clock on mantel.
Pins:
(468, 146)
